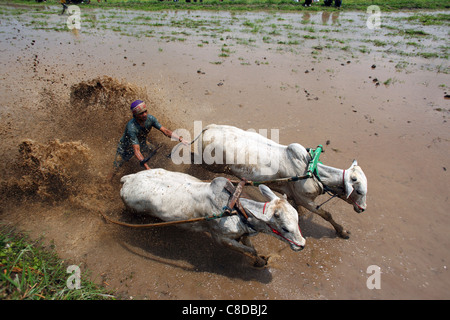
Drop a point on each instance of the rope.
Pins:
(257, 183)
(190, 143)
(332, 196)
(225, 210)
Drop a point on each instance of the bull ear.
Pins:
(347, 179)
(260, 215)
(265, 191)
(348, 189)
(348, 185)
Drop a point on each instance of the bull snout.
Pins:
(297, 248)
(357, 208)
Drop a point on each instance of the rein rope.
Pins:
(225, 212)
(158, 224)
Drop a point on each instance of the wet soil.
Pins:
(318, 79)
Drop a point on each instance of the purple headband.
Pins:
(138, 107)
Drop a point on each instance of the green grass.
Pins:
(248, 5)
(440, 19)
(30, 271)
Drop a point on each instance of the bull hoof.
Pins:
(260, 262)
(344, 234)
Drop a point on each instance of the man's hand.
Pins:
(139, 156)
(184, 141)
(172, 135)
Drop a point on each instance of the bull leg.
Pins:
(311, 206)
(243, 249)
(246, 241)
(262, 259)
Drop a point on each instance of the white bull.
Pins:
(174, 196)
(265, 160)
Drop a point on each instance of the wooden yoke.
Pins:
(236, 193)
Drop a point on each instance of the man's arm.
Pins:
(171, 134)
(139, 156)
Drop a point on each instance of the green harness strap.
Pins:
(312, 166)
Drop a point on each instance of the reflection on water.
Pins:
(326, 17)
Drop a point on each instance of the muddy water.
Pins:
(318, 79)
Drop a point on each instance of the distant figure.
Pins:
(308, 2)
(63, 2)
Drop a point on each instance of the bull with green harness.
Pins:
(299, 173)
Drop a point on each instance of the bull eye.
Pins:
(354, 179)
(359, 192)
(284, 229)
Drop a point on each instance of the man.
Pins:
(134, 139)
(63, 2)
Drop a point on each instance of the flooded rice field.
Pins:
(379, 96)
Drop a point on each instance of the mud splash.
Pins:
(99, 108)
(87, 124)
(56, 171)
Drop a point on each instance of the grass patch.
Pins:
(429, 55)
(429, 20)
(30, 271)
(413, 32)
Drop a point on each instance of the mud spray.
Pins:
(85, 125)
